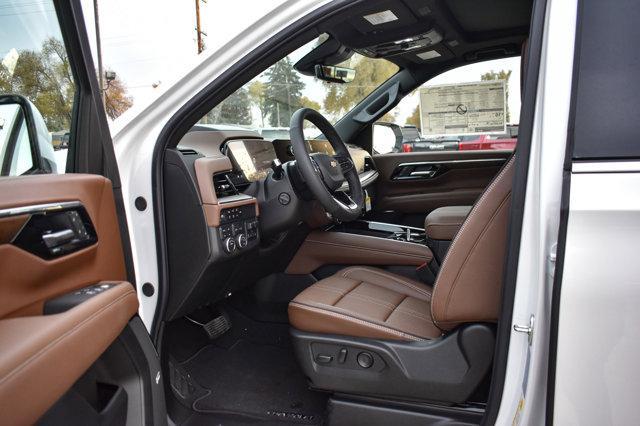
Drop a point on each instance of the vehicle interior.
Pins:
(310, 280)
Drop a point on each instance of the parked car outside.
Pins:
(444, 143)
(506, 140)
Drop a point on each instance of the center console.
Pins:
(382, 230)
(361, 243)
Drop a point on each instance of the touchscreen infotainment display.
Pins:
(253, 157)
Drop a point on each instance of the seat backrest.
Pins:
(469, 285)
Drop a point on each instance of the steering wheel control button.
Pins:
(365, 359)
(324, 359)
(241, 241)
(342, 356)
(284, 198)
(229, 245)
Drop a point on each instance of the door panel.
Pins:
(28, 280)
(414, 184)
(43, 355)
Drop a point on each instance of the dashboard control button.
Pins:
(229, 245)
(241, 240)
(365, 359)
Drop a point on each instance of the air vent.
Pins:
(231, 183)
(223, 186)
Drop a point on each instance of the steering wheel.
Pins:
(325, 174)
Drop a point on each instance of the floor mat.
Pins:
(254, 380)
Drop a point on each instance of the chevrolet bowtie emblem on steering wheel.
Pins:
(334, 163)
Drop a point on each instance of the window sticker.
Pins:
(463, 108)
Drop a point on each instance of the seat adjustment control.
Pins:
(342, 355)
(323, 359)
(365, 359)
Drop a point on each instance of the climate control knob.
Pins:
(229, 245)
(241, 241)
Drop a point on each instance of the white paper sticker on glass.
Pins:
(463, 109)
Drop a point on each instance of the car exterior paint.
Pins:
(525, 387)
(598, 341)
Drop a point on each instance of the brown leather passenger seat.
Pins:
(372, 303)
(362, 301)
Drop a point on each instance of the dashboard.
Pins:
(253, 157)
(221, 214)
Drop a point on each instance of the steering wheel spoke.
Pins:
(345, 199)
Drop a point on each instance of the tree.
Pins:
(116, 99)
(236, 109)
(370, 73)
(414, 118)
(388, 117)
(283, 94)
(257, 96)
(44, 77)
(309, 103)
(500, 75)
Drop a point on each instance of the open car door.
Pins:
(72, 348)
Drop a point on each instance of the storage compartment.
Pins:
(97, 404)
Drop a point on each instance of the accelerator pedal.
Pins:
(214, 327)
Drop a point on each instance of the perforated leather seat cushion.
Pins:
(366, 302)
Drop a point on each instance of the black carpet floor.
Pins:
(253, 374)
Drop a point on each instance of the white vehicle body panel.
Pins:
(524, 393)
(135, 138)
(597, 379)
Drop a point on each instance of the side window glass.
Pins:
(473, 107)
(37, 90)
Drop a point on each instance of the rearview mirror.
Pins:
(25, 144)
(334, 74)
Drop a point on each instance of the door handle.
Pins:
(55, 239)
(423, 173)
(416, 171)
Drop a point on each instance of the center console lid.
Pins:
(444, 223)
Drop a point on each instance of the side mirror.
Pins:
(334, 74)
(387, 138)
(25, 143)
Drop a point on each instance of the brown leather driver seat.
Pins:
(372, 303)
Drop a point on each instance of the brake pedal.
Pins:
(216, 327)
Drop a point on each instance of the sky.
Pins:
(152, 42)
(155, 40)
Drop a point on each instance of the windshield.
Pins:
(266, 103)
